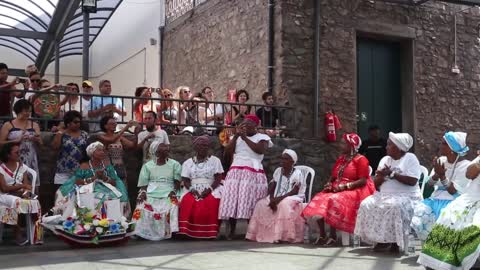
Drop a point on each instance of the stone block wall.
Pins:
(221, 44)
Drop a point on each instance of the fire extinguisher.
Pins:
(332, 123)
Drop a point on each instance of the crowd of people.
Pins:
(372, 192)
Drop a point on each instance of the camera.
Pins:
(21, 80)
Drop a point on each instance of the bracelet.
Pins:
(349, 185)
(445, 182)
(211, 188)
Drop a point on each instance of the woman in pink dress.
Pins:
(278, 217)
(245, 183)
(338, 203)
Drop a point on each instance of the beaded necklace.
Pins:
(345, 162)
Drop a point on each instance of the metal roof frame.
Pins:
(35, 27)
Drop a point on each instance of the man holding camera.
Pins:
(105, 105)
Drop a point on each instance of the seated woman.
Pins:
(338, 203)
(278, 217)
(15, 190)
(201, 175)
(448, 179)
(384, 218)
(156, 215)
(454, 242)
(96, 176)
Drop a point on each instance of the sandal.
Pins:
(330, 242)
(320, 241)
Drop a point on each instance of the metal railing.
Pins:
(176, 8)
(209, 116)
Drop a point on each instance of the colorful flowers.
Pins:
(104, 222)
(114, 228)
(136, 214)
(68, 225)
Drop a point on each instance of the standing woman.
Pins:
(384, 218)
(239, 112)
(72, 143)
(349, 184)
(278, 217)
(116, 143)
(449, 181)
(201, 175)
(245, 183)
(23, 131)
(156, 214)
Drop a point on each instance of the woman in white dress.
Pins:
(384, 217)
(246, 182)
(454, 242)
(15, 190)
(449, 181)
(156, 215)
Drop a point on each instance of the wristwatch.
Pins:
(392, 175)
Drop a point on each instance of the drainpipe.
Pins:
(271, 37)
(161, 31)
(316, 64)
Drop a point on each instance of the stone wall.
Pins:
(309, 151)
(222, 44)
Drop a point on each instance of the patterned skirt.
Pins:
(386, 217)
(454, 242)
(285, 224)
(339, 209)
(199, 218)
(243, 188)
(156, 219)
(11, 206)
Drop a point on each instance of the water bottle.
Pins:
(306, 235)
(356, 241)
(411, 244)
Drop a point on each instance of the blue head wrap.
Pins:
(457, 141)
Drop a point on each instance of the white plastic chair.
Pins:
(425, 178)
(307, 171)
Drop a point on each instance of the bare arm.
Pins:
(57, 140)
(9, 189)
(230, 148)
(128, 143)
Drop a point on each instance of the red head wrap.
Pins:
(353, 140)
(253, 118)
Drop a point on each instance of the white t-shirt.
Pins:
(84, 112)
(408, 165)
(160, 135)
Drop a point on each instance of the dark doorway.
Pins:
(379, 86)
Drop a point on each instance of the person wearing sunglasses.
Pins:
(169, 113)
(70, 142)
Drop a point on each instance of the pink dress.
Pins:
(285, 224)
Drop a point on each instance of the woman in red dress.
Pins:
(338, 203)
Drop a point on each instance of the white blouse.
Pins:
(202, 174)
(456, 174)
(286, 184)
(408, 165)
(245, 156)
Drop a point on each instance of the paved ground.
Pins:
(198, 255)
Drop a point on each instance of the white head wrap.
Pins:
(92, 147)
(402, 140)
(154, 147)
(457, 141)
(292, 154)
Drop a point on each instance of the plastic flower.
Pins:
(87, 226)
(136, 214)
(124, 225)
(68, 225)
(157, 216)
(99, 230)
(104, 222)
(114, 228)
(95, 222)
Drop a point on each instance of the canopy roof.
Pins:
(31, 27)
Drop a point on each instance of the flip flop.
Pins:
(320, 241)
(330, 242)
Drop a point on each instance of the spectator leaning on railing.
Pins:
(87, 89)
(5, 96)
(105, 106)
(168, 113)
(240, 111)
(269, 116)
(143, 105)
(46, 105)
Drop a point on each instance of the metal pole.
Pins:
(271, 37)
(86, 45)
(316, 65)
(57, 61)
